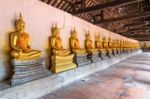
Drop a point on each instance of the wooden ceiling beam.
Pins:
(137, 24)
(123, 18)
(105, 5)
(139, 37)
(139, 29)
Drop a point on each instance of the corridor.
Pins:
(129, 79)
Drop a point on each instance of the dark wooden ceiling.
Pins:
(130, 18)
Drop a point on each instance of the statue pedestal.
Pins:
(103, 55)
(62, 63)
(118, 51)
(94, 57)
(110, 53)
(114, 52)
(82, 59)
(28, 70)
(121, 51)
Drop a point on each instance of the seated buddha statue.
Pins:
(115, 43)
(89, 44)
(98, 42)
(20, 43)
(74, 43)
(56, 43)
(110, 43)
(61, 59)
(105, 43)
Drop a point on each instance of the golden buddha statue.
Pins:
(20, 43)
(110, 43)
(89, 44)
(56, 43)
(105, 43)
(74, 43)
(118, 44)
(61, 59)
(98, 42)
(114, 43)
(145, 45)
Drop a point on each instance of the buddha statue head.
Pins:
(88, 36)
(110, 40)
(74, 33)
(117, 41)
(20, 24)
(98, 37)
(114, 41)
(55, 30)
(104, 39)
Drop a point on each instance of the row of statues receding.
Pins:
(21, 45)
(63, 59)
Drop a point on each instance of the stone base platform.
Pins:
(82, 59)
(62, 63)
(38, 88)
(28, 70)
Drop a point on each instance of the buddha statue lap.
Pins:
(93, 52)
(25, 57)
(61, 59)
(80, 54)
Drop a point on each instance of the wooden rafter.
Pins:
(105, 5)
(123, 18)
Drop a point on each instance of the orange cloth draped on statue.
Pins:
(22, 42)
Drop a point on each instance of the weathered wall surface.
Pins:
(39, 18)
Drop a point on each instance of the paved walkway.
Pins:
(129, 79)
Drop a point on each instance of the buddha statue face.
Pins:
(98, 37)
(110, 40)
(114, 41)
(55, 31)
(20, 24)
(104, 39)
(74, 34)
(88, 36)
(117, 41)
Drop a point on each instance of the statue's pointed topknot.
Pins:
(74, 29)
(98, 35)
(52, 25)
(20, 17)
(88, 33)
(20, 20)
(55, 24)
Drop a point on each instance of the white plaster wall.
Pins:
(39, 18)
